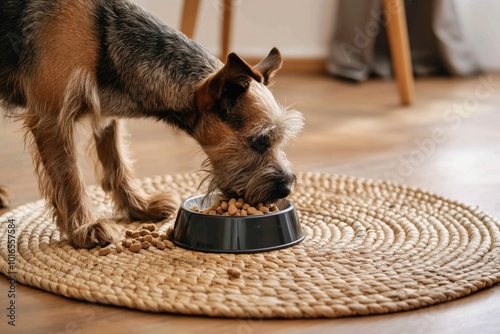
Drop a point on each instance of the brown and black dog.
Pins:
(64, 62)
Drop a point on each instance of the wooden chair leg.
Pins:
(189, 14)
(400, 49)
(226, 28)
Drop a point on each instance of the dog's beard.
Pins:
(256, 184)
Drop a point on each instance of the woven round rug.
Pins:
(372, 247)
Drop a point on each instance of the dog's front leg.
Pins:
(118, 180)
(4, 197)
(62, 184)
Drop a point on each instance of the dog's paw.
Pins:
(101, 232)
(4, 197)
(156, 207)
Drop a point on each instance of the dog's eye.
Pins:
(260, 143)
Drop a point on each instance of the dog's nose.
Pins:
(284, 190)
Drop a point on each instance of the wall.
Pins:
(299, 28)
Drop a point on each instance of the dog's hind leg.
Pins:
(4, 197)
(117, 179)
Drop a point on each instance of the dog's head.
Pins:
(243, 130)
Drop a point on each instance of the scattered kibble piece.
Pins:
(234, 272)
(104, 251)
(127, 242)
(145, 238)
(135, 247)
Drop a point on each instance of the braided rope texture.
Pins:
(372, 247)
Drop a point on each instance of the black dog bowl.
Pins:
(229, 234)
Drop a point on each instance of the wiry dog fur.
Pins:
(64, 62)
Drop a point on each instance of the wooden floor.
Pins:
(448, 142)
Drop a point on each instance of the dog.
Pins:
(96, 62)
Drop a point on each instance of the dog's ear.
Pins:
(227, 84)
(233, 79)
(270, 65)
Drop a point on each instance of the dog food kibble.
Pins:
(135, 247)
(253, 211)
(104, 251)
(232, 209)
(149, 227)
(127, 243)
(234, 272)
(145, 238)
(236, 207)
(264, 209)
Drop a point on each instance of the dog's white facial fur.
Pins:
(279, 122)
